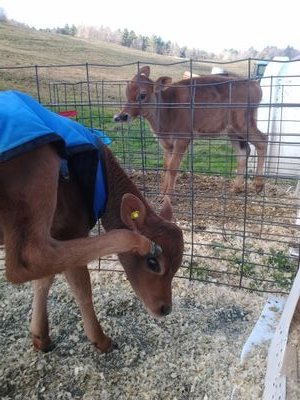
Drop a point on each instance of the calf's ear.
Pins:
(145, 71)
(162, 83)
(166, 211)
(133, 212)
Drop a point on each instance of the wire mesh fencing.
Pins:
(241, 239)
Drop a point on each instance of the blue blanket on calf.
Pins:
(25, 125)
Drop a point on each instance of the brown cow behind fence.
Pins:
(205, 106)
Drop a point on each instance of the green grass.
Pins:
(138, 145)
(137, 148)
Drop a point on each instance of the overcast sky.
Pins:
(210, 25)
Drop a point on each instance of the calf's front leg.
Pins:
(80, 284)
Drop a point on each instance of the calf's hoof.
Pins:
(259, 186)
(105, 346)
(42, 344)
(237, 189)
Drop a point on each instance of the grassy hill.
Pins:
(22, 47)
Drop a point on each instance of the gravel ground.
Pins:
(191, 354)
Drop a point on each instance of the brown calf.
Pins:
(206, 106)
(46, 225)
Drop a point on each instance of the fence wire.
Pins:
(245, 240)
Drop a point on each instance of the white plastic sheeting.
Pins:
(279, 118)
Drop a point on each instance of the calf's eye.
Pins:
(141, 96)
(153, 264)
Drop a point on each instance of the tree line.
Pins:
(155, 44)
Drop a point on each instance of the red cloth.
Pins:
(68, 113)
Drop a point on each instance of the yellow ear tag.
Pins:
(134, 215)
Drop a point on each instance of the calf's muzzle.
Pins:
(121, 118)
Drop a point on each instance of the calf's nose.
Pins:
(120, 118)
